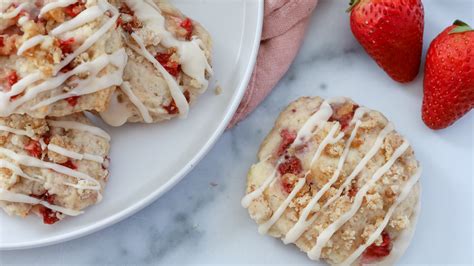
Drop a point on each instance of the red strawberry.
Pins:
(374, 252)
(449, 76)
(66, 46)
(187, 24)
(49, 216)
(391, 32)
(33, 147)
(291, 165)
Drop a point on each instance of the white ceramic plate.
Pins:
(148, 160)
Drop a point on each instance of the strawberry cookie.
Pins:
(51, 167)
(168, 67)
(58, 57)
(338, 181)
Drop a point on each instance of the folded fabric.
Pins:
(284, 26)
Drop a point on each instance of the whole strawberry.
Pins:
(449, 76)
(391, 32)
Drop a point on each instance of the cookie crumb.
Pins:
(218, 90)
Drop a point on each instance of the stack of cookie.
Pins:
(122, 60)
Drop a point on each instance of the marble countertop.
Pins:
(201, 221)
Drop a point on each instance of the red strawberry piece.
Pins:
(171, 108)
(187, 96)
(127, 24)
(171, 66)
(49, 216)
(2, 42)
(291, 165)
(74, 9)
(449, 76)
(352, 191)
(45, 197)
(287, 138)
(374, 252)
(47, 137)
(69, 164)
(286, 184)
(391, 32)
(187, 24)
(125, 9)
(13, 98)
(72, 100)
(66, 46)
(344, 119)
(33, 147)
(12, 79)
(67, 68)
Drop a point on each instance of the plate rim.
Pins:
(175, 179)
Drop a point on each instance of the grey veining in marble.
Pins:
(201, 220)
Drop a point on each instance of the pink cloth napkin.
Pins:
(284, 27)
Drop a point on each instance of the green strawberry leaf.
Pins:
(461, 27)
(352, 4)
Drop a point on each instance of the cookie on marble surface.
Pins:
(58, 57)
(168, 67)
(51, 167)
(338, 181)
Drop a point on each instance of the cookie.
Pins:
(169, 63)
(336, 180)
(58, 57)
(51, 167)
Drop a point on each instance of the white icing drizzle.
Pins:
(91, 84)
(17, 170)
(247, 199)
(328, 139)
(403, 240)
(263, 228)
(16, 131)
(20, 86)
(105, 6)
(14, 12)
(117, 113)
(138, 104)
(34, 162)
(83, 86)
(192, 58)
(327, 233)
(318, 119)
(22, 20)
(301, 225)
(53, 5)
(86, 16)
(42, 144)
(403, 195)
(30, 43)
(75, 155)
(81, 127)
(119, 59)
(9, 196)
(360, 166)
(175, 89)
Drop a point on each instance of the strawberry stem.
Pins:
(461, 27)
(352, 4)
